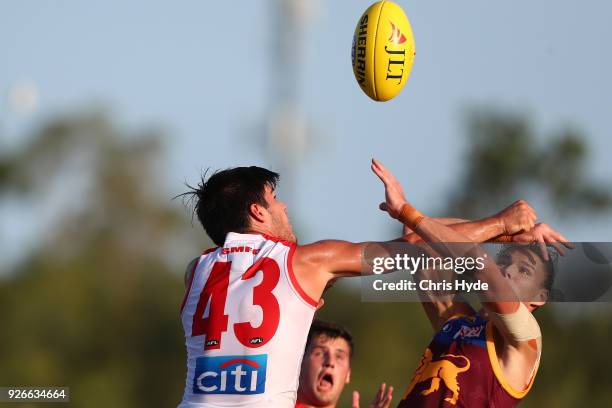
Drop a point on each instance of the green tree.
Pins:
(505, 160)
(94, 306)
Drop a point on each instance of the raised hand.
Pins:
(381, 400)
(543, 234)
(518, 217)
(394, 194)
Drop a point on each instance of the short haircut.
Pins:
(222, 203)
(330, 330)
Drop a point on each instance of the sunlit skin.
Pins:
(326, 369)
(271, 219)
(316, 264)
(517, 358)
(526, 273)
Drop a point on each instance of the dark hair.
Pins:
(222, 202)
(534, 248)
(330, 330)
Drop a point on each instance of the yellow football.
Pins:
(383, 50)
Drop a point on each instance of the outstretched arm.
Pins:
(516, 217)
(439, 236)
(317, 263)
(513, 321)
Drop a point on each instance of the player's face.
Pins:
(325, 371)
(281, 227)
(526, 272)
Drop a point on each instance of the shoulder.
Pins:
(320, 249)
(315, 264)
(330, 255)
(514, 365)
(331, 247)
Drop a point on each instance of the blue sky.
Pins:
(200, 69)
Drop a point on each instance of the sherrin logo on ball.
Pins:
(383, 50)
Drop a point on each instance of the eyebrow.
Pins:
(327, 348)
(529, 256)
(530, 266)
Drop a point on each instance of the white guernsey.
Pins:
(246, 321)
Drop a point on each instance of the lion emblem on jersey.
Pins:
(441, 369)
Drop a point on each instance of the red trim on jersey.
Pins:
(239, 360)
(294, 280)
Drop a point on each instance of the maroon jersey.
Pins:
(460, 369)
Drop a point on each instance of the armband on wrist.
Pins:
(410, 216)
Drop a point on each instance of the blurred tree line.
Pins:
(506, 160)
(95, 304)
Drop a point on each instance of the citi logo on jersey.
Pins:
(230, 375)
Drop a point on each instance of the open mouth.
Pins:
(326, 381)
